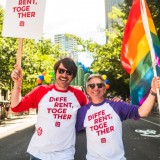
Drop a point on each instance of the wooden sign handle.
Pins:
(19, 52)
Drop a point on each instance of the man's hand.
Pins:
(17, 75)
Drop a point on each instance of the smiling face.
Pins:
(96, 89)
(63, 77)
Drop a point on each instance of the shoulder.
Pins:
(46, 86)
(42, 88)
(80, 95)
(82, 111)
(77, 92)
(39, 91)
(124, 110)
(73, 89)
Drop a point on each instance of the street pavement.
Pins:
(16, 123)
(142, 138)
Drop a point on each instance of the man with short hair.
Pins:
(57, 104)
(102, 118)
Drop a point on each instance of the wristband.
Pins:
(152, 93)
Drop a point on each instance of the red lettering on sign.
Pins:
(21, 23)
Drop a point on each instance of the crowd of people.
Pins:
(62, 108)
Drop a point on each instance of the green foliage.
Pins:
(1, 19)
(109, 56)
(7, 60)
(7, 54)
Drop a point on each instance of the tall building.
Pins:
(65, 43)
(69, 45)
(108, 8)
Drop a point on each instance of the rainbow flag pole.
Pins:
(140, 54)
(152, 52)
(147, 31)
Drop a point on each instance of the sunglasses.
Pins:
(61, 71)
(92, 85)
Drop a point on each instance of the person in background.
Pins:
(102, 118)
(57, 104)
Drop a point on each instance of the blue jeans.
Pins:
(34, 158)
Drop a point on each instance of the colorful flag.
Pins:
(140, 51)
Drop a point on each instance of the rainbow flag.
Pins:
(140, 53)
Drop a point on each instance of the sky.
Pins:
(84, 18)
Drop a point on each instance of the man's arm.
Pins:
(16, 76)
(148, 104)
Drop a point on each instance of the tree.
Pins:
(109, 56)
(7, 52)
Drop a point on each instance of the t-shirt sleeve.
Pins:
(80, 118)
(81, 97)
(30, 100)
(125, 110)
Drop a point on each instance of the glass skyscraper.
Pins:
(108, 8)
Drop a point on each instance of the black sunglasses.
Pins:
(61, 71)
(92, 85)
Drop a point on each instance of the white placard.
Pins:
(24, 18)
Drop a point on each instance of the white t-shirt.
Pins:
(54, 137)
(103, 124)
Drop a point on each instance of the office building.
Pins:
(108, 8)
(68, 45)
(65, 43)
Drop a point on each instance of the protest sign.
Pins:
(24, 18)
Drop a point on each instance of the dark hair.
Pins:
(68, 63)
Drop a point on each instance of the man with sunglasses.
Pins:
(102, 119)
(57, 104)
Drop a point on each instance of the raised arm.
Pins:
(148, 104)
(17, 77)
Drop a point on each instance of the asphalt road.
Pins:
(141, 141)
(14, 147)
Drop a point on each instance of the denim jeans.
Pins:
(34, 158)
